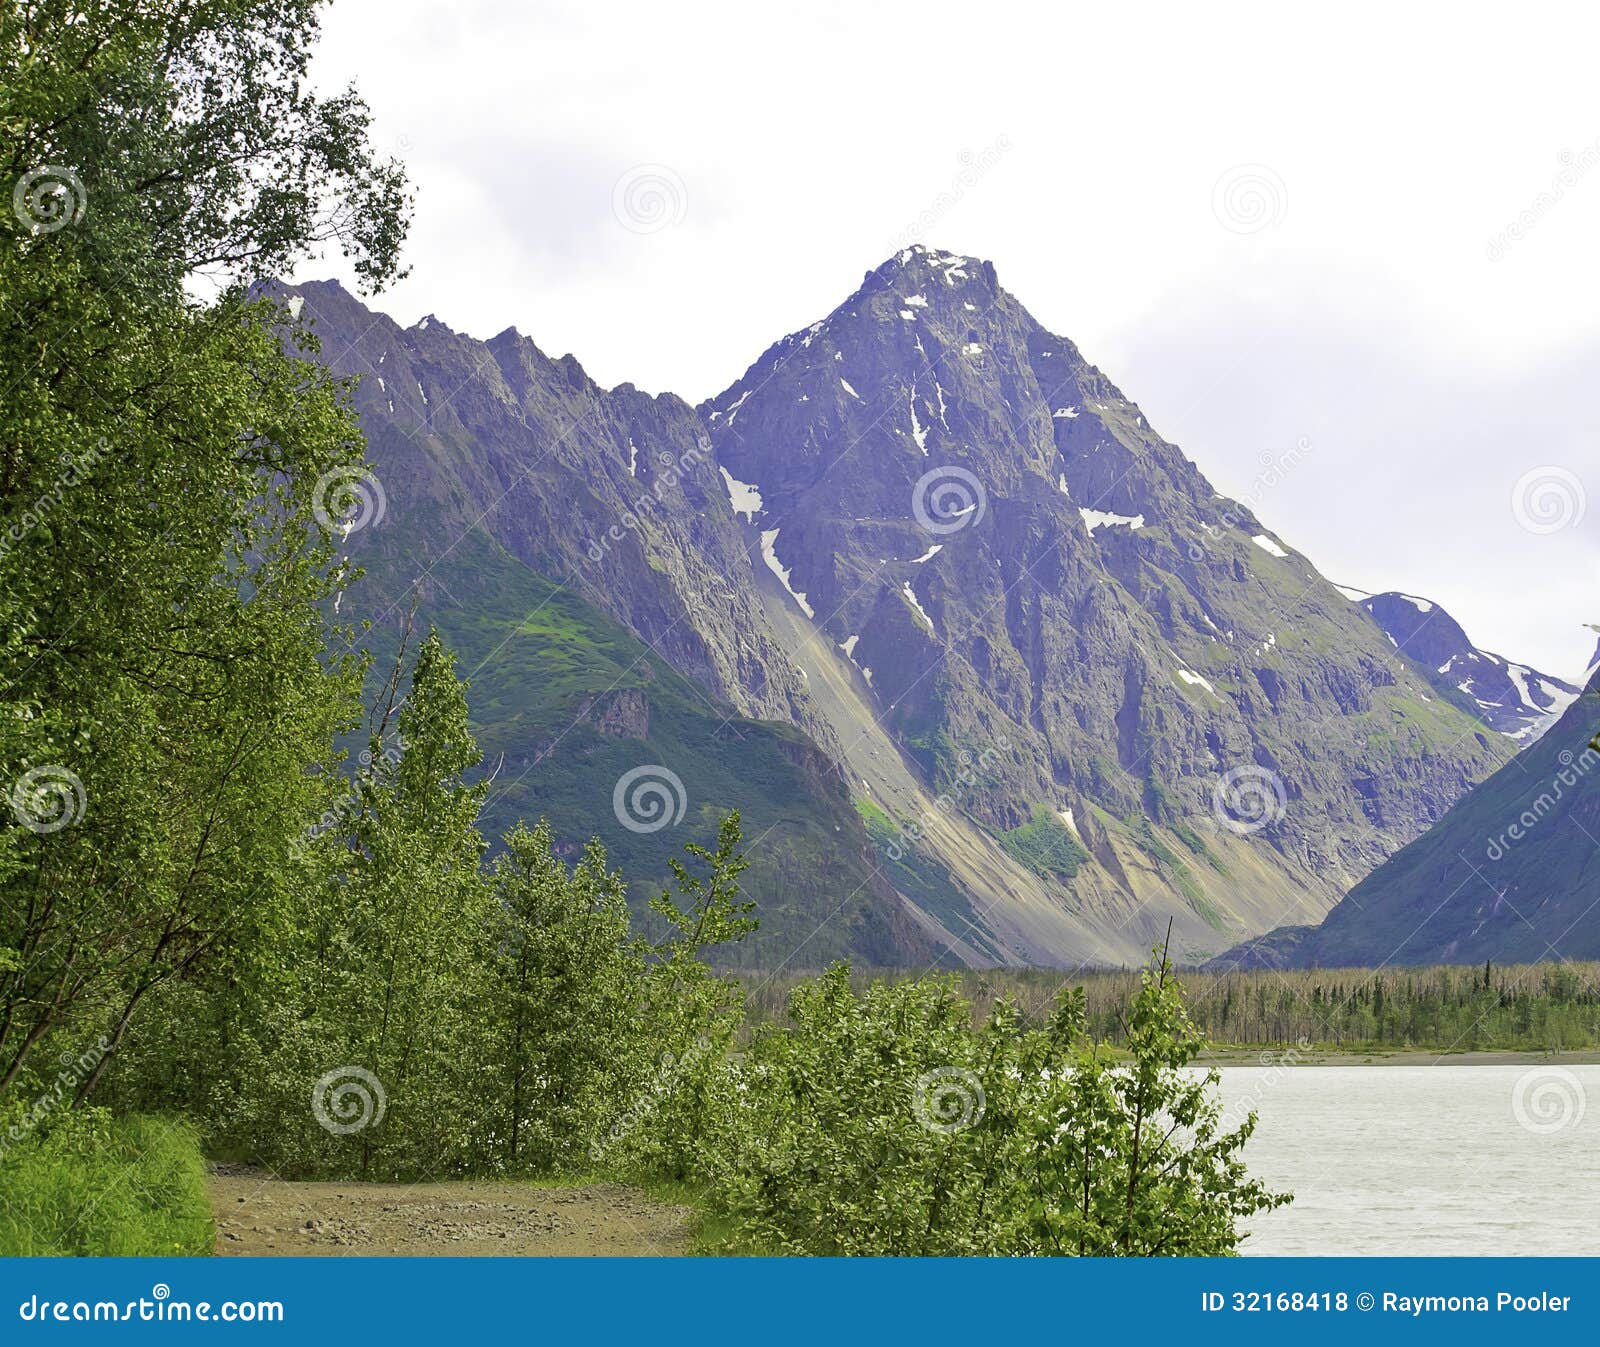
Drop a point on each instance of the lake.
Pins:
(1448, 1159)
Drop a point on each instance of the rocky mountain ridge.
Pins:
(1510, 698)
(1069, 690)
(1511, 873)
(988, 534)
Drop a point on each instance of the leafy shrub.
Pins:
(885, 1124)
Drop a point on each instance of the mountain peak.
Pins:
(973, 538)
(1509, 697)
(919, 266)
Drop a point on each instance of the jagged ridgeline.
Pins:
(1510, 697)
(994, 673)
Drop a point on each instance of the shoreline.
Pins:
(1276, 1057)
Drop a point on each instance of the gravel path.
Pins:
(259, 1214)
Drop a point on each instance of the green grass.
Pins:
(88, 1185)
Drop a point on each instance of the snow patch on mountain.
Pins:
(769, 554)
(733, 410)
(743, 496)
(911, 598)
(1519, 680)
(919, 432)
(1104, 518)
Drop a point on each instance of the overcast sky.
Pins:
(1265, 223)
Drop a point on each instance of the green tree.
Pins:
(694, 1014)
(1132, 1156)
(358, 1046)
(411, 901)
(168, 704)
(562, 1006)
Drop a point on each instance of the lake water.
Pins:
(1447, 1159)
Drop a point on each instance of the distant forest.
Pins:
(1550, 1007)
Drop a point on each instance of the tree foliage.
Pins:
(170, 703)
(888, 1123)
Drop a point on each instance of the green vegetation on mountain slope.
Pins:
(566, 703)
(1045, 846)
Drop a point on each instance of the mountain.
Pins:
(1511, 873)
(983, 554)
(579, 555)
(930, 558)
(1509, 697)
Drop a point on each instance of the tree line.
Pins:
(1545, 1007)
